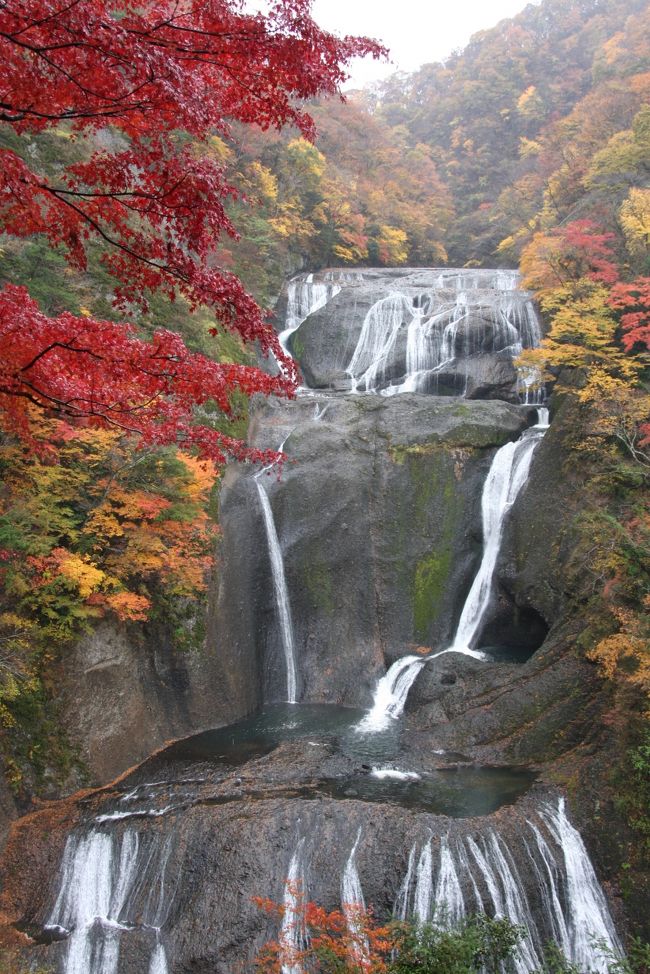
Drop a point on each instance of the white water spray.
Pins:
(449, 895)
(281, 592)
(589, 920)
(478, 873)
(352, 901)
(293, 933)
(440, 324)
(423, 897)
(304, 297)
(94, 903)
(507, 475)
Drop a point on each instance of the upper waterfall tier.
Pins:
(433, 330)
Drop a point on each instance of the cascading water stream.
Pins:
(448, 888)
(507, 475)
(478, 873)
(95, 903)
(436, 339)
(304, 297)
(352, 901)
(401, 908)
(280, 589)
(292, 932)
(589, 920)
(423, 897)
(281, 592)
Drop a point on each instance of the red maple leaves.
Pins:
(164, 76)
(634, 300)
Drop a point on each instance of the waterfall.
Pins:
(401, 907)
(304, 297)
(449, 895)
(353, 902)
(281, 592)
(542, 418)
(529, 385)
(377, 341)
(481, 870)
(393, 688)
(423, 897)
(158, 963)
(435, 337)
(516, 907)
(293, 933)
(95, 901)
(548, 877)
(507, 475)
(391, 693)
(589, 920)
(91, 899)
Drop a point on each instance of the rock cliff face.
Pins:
(377, 510)
(126, 691)
(362, 552)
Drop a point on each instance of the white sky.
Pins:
(416, 31)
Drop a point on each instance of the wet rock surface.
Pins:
(119, 678)
(378, 509)
(207, 837)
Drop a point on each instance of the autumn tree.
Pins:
(145, 85)
(353, 941)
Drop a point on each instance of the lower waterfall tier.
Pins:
(158, 872)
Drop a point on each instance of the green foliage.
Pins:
(354, 942)
(637, 960)
(476, 944)
(634, 797)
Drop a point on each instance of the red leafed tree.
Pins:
(165, 75)
(633, 300)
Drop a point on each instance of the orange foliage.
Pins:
(351, 937)
(100, 529)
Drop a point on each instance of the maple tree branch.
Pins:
(67, 407)
(55, 15)
(165, 268)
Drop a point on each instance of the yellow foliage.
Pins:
(81, 571)
(307, 161)
(626, 653)
(614, 48)
(128, 607)
(261, 182)
(393, 245)
(635, 221)
(529, 103)
(582, 334)
(528, 147)
(106, 522)
(219, 150)
(204, 476)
